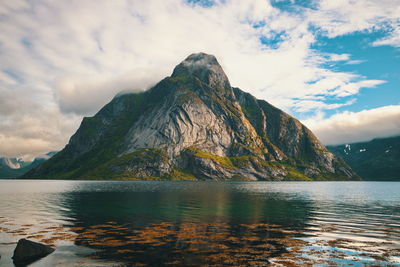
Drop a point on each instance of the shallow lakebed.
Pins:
(138, 223)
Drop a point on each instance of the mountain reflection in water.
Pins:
(203, 223)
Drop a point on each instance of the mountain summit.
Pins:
(193, 125)
(206, 68)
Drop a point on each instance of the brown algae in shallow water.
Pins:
(207, 243)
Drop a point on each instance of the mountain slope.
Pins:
(193, 125)
(10, 167)
(376, 160)
(15, 167)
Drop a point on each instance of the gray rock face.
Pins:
(204, 67)
(29, 251)
(193, 125)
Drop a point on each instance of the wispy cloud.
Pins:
(393, 39)
(355, 62)
(29, 128)
(342, 17)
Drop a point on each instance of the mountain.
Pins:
(376, 160)
(15, 167)
(193, 125)
(11, 167)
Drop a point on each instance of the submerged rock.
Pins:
(28, 251)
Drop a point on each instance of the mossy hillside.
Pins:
(181, 80)
(181, 175)
(143, 156)
(90, 126)
(140, 157)
(105, 171)
(67, 165)
(108, 147)
(375, 160)
(239, 178)
(109, 169)
(297, 176)
(241, 161)
(238, 162)
(223, 161)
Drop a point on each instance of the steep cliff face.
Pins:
(193, 125)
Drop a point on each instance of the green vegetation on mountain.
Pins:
(193, 126)
(15, 167)
(376, 160)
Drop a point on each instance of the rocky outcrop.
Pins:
(193, 125)
(28, 251)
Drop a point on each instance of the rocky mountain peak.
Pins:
(193, 125)
(205, 67)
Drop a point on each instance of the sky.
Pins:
(335, 65)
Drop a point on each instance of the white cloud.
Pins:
(392, 39)
(339, 57)
(355, 62)
(66, 59)
(28, 129)
(353, 88)
(317, 105)
(87, 95)
(341, 17)
(349, 127)
(344, 57)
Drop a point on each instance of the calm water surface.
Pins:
(121, 223)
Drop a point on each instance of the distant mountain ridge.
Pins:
(193, 125)
(15, 167)
(376, 160)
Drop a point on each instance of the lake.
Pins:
(140, 223)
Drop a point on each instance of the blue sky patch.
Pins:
(372, 62)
